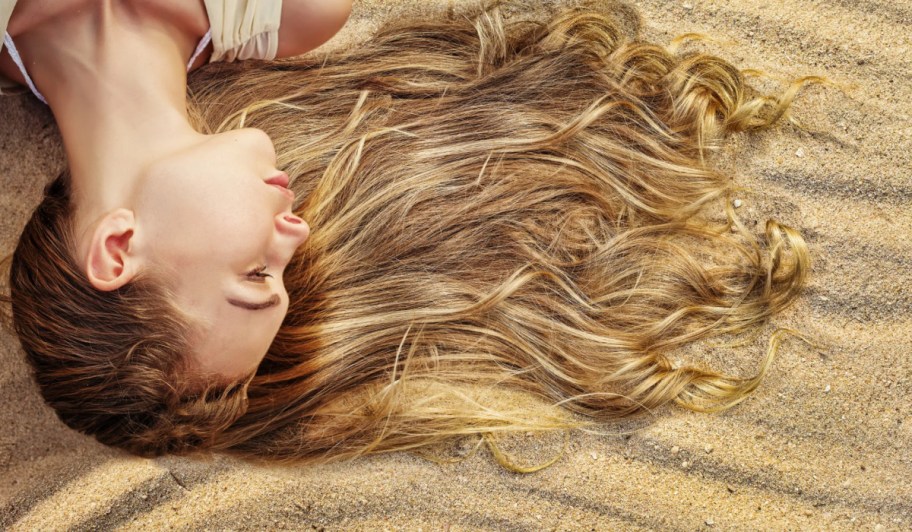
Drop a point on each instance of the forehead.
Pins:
(230, 341)
(233, 346)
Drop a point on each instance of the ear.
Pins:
(112, 260)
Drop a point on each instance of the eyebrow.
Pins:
(271, 302)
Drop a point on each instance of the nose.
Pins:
(293, 229)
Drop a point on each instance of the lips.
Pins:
(281, 182)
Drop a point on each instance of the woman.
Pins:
(495, 206)
(142, 111)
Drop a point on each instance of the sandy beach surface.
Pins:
(824, 443)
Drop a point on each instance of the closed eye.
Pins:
(271, 302)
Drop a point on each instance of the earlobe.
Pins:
(112, 261)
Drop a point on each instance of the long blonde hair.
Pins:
(512, 223)
(501, 206)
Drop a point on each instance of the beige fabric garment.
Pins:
(241, 29)
(244, 29)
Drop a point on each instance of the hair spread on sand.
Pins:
(500, 206)
(497, 208)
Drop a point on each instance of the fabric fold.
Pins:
(244, 29)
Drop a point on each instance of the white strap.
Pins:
(14, 54)
(200, 47)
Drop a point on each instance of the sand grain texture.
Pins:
(823, 444)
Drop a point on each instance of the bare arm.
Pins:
(306, 24)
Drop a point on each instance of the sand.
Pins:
(823, 444)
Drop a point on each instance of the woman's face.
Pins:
(218, 214)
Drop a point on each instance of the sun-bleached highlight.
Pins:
(513, 223)
(496, 208)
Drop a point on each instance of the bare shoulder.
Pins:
(306, 24)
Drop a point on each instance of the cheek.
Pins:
(239, 240)
(222, 213)
(204, 219)
(188, 233)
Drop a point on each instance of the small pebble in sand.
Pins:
(710, 522)
(685, 464)
(675, 450)
(708, 448)
(799, 152)
(594, 455)
(737, 203)
(464, 448)
(826, 389)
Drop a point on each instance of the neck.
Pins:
(116, 82)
